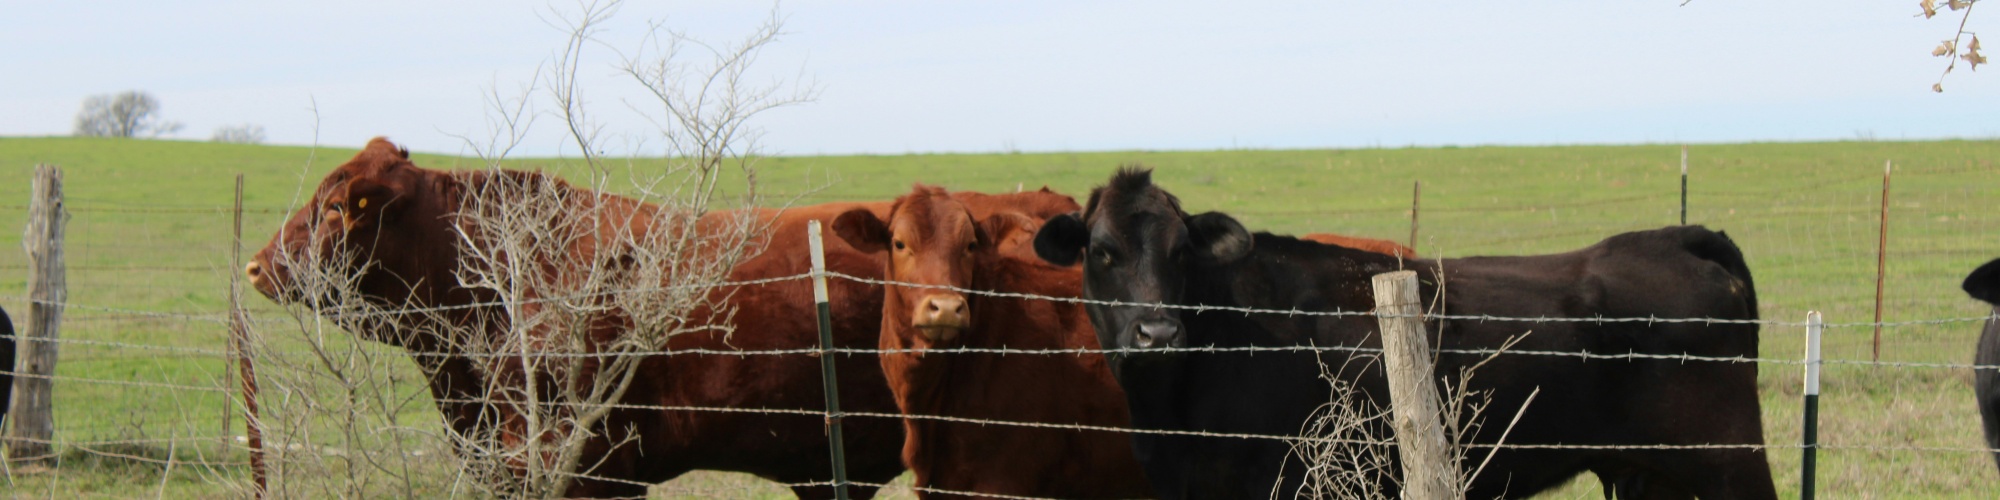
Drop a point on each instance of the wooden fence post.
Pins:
(1428, 471)
(30, 437)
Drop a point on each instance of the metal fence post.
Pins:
(833, 415)
(1416, 202)
(1881, 261)
(1684, 184)
(1810, 438)
(239, 343)
(31, 430)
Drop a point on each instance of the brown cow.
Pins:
(935, 240)
(1384, 247)
(407, 239)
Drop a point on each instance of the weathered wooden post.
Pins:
(1428, 471)
(33, 430)
(832, 386)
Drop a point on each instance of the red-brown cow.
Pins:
(407, 246)
(935, 240)
(1384, 247)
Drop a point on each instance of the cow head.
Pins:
(1984, 283)
(934, 243)
(369, 227)
(1137, 246)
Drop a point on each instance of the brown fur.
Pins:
(1384, 247)
(408, 229)
(945, 244)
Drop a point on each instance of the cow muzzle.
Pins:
(1157, 333)
(268, 279)
(254, 271)
(941, 316)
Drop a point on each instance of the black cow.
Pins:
(1140, 247)
(6, 364)
(1984, 284)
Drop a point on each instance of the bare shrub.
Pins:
(577, 289)
(342, 416)
(1348, 444)
(1352, 445)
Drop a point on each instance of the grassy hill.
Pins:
(151, 233)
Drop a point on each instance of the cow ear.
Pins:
(369, 203)
(862, 230)
(998, 227)
(1984, 283)
(1218, 238)
(1062, 239)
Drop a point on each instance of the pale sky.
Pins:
(907, 76)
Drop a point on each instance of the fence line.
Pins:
(1051, 353)
(123, 345)
(93, 206)
(159, 209)
(129, 383)
(1198, 308)
(1290, 438)
(221, 318)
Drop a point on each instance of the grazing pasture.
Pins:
(150, 267)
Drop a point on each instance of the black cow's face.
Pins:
(1138, 247)
(1984, 283)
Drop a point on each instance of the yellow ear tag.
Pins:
(361, 204)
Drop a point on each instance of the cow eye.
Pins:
(899, 244)
(1104, 257)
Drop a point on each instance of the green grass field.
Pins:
(151, 233)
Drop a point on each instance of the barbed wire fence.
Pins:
(145, 381)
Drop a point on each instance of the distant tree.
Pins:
(247, 133)
(130, 114)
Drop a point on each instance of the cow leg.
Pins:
(1715, 474)
(1624, 481)
(1636, 485)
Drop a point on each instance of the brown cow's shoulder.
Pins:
(420, 247)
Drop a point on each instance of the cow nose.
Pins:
(941, 316)
(1158, 333)
(261, 277)
(946, 310)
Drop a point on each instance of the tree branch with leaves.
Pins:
(1950, 48)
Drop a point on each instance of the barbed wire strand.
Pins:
(1198, 308)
